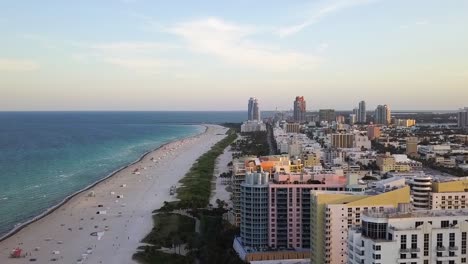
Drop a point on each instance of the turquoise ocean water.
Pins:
(46, 156)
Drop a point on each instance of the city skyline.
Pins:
(143, 55)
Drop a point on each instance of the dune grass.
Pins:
(196, 185)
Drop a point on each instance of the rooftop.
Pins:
(419, 213)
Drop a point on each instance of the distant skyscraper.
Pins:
(463, 118)
(382, 115)
(328, 115)
(352, 119)
(254, 111)
(361, 113)
(300, 109)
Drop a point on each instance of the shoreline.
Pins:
(20, 226)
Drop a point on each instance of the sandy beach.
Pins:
(106, 223)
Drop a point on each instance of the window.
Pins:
(463, 243)
(403, 242)
(439, 239)
(444, 224)
(451, 239)
(426, 244)
(414, 241)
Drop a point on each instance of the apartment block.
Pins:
(420, 237)
(334, 213)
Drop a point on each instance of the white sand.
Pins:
(220, 189)
(127, 219)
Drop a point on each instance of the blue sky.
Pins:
(214, 55)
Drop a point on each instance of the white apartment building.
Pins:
(362, 141)
(252, 126)
(418, 237)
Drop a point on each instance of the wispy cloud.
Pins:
(233, 44)
(319, 14)
(418, 23)
(132, 55)
(130, 47)
(18, 65)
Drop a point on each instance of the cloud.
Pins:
(232, 43)
(422, 22)
(130, 47)
(322, 47)
(317, 15)
(418, 23)
(18, 65)
(132, 55)
(140, 63)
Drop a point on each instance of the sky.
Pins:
(214, 55)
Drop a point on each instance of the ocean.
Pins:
(47, 156)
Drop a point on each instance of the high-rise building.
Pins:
(352, 119)
(412, 146)
(254, 210)
(361, 113)
(463, 118)
(382, 115)
(253, 111)
(334, 213)
(340, 119)
(299, 109)
(289, 224)
(404, 236)
(342, 140)
(327, 115)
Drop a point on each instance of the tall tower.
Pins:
(462, 118)
(299, 109)
(361, 114)
(253, 111)
(382, 115)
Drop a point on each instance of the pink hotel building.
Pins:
(289, 207)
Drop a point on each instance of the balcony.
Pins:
(442, 248)
(420, 188)
(446, 258)
(404, 250)
(453, 248)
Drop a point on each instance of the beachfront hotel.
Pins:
(405, 236)
(275, 210)
(245, 165)
(334, 213)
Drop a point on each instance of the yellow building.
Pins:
(311, 160)
(405, 122)
(387, 163)
(450, 194)
(332, 213)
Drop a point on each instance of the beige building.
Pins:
(412, 147)
(342, 140)
(405, 122)
(450, 195)
(388, 163)
(293, 128)
(333, 213)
